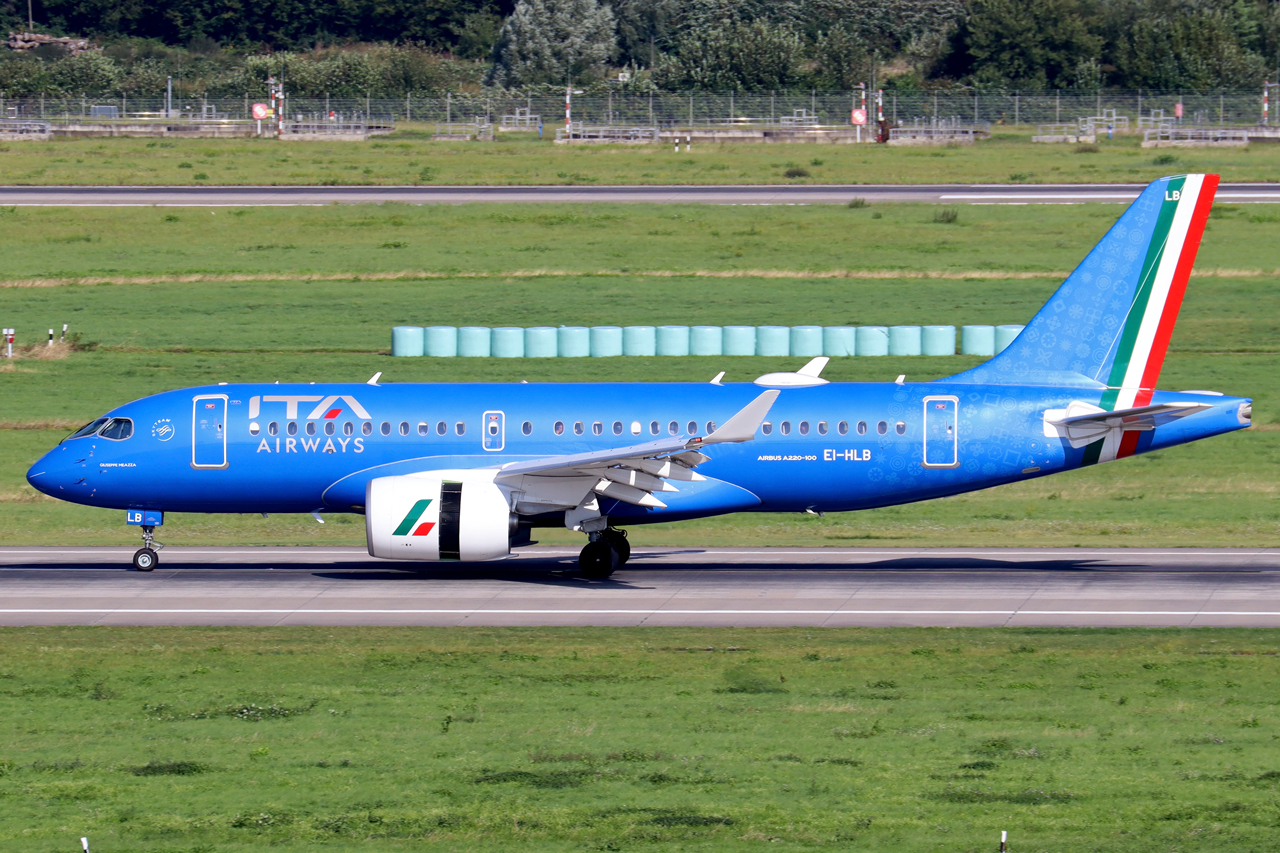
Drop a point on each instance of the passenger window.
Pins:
(558, 428)
(617, 427)
(89, 428)
(441, 428)
(385, 429)
(578, 428)
(292, 428)
(692, 427)
(862, 427)
(329, 428)
(253, 428)
(348, 428)
(526, 428)
(767, 428)
(843, 428)
(404, 427)
(367, 427)
(900, 428)
(785, 428)
(423, 429)
(597, 428)
(882, 427)
(311, 427)
(273, 429)
(117, 429)
(654, 427)
(635, 427)
(711, 427)
(804, 427)
(673, 428)
(822, 427)
(460, 428)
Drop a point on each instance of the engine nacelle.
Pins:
(438, 515)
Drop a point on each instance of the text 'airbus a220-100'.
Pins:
(466, 471)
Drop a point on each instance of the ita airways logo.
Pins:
(162, 430)
(411, 519)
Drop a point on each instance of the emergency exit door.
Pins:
(494, 431)
(209, 431)
(941, 432)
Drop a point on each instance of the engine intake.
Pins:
(438, 515)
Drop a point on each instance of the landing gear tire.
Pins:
(599, 559)
(144, 560)
(618, 539)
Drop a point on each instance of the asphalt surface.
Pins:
(754, 195)
(660, 586)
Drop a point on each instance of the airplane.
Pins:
(466, 472)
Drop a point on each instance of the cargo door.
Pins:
(209, 431)
(941, 432)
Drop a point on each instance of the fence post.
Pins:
(895, 107)
(1222, 114)
(772, 94)
(1016, 115)
(1057, 106)
(690, 111)
(1139, 102)
(448, 107)
(975, 107)
(408, 112)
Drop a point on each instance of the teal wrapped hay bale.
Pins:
(573, 341)
(978, 340)
(905, 340)
(606, 341)
(739, 340)
(706, 340)
(1005, 336)
(838, 341)
(441, 342)
(773, 340)
(540, 342)
(673, 340)
(939, 340)
(873, 340)
(639, 340)
(806, 341)
(508, 342)
(473, 341)
(406, 341)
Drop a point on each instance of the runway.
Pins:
(818, 587)
(188, 196)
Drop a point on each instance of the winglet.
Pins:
(814, 367)
(719, 376)
(373, 380)
(743, 425)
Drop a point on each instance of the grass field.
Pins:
(638, 739)
(409, 157)
(184, 302)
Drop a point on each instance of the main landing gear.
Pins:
(146, 558)
(607, 551)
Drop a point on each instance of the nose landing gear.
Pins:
(607, 551)
(146, 558)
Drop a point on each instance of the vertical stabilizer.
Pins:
(1111, 320)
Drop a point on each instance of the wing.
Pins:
(1082, 423)
(634, 474)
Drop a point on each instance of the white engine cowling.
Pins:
(438, 515)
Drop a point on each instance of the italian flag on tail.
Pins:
(1144, 340)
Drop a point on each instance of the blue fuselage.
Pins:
(837, 447)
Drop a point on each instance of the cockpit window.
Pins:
(117, 429)
(88, 429)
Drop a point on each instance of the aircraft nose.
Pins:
(51, 473)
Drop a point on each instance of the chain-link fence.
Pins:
(675, 109)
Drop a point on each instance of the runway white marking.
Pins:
(654, 612)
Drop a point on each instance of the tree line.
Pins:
(395, 47)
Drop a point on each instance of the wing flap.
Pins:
(1083, 423)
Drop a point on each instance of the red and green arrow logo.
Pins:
(412, 518)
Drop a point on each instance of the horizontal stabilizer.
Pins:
(1082, 423)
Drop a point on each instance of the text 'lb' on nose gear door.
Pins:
(941, 432)
(494, 431)
(209, 431)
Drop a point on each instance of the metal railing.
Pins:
(579, 132)
(23, 127)
(1170, 133)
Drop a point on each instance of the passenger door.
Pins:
(209, 431)
(941, 432)
(494, 438)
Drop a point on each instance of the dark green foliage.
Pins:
(170, 768)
